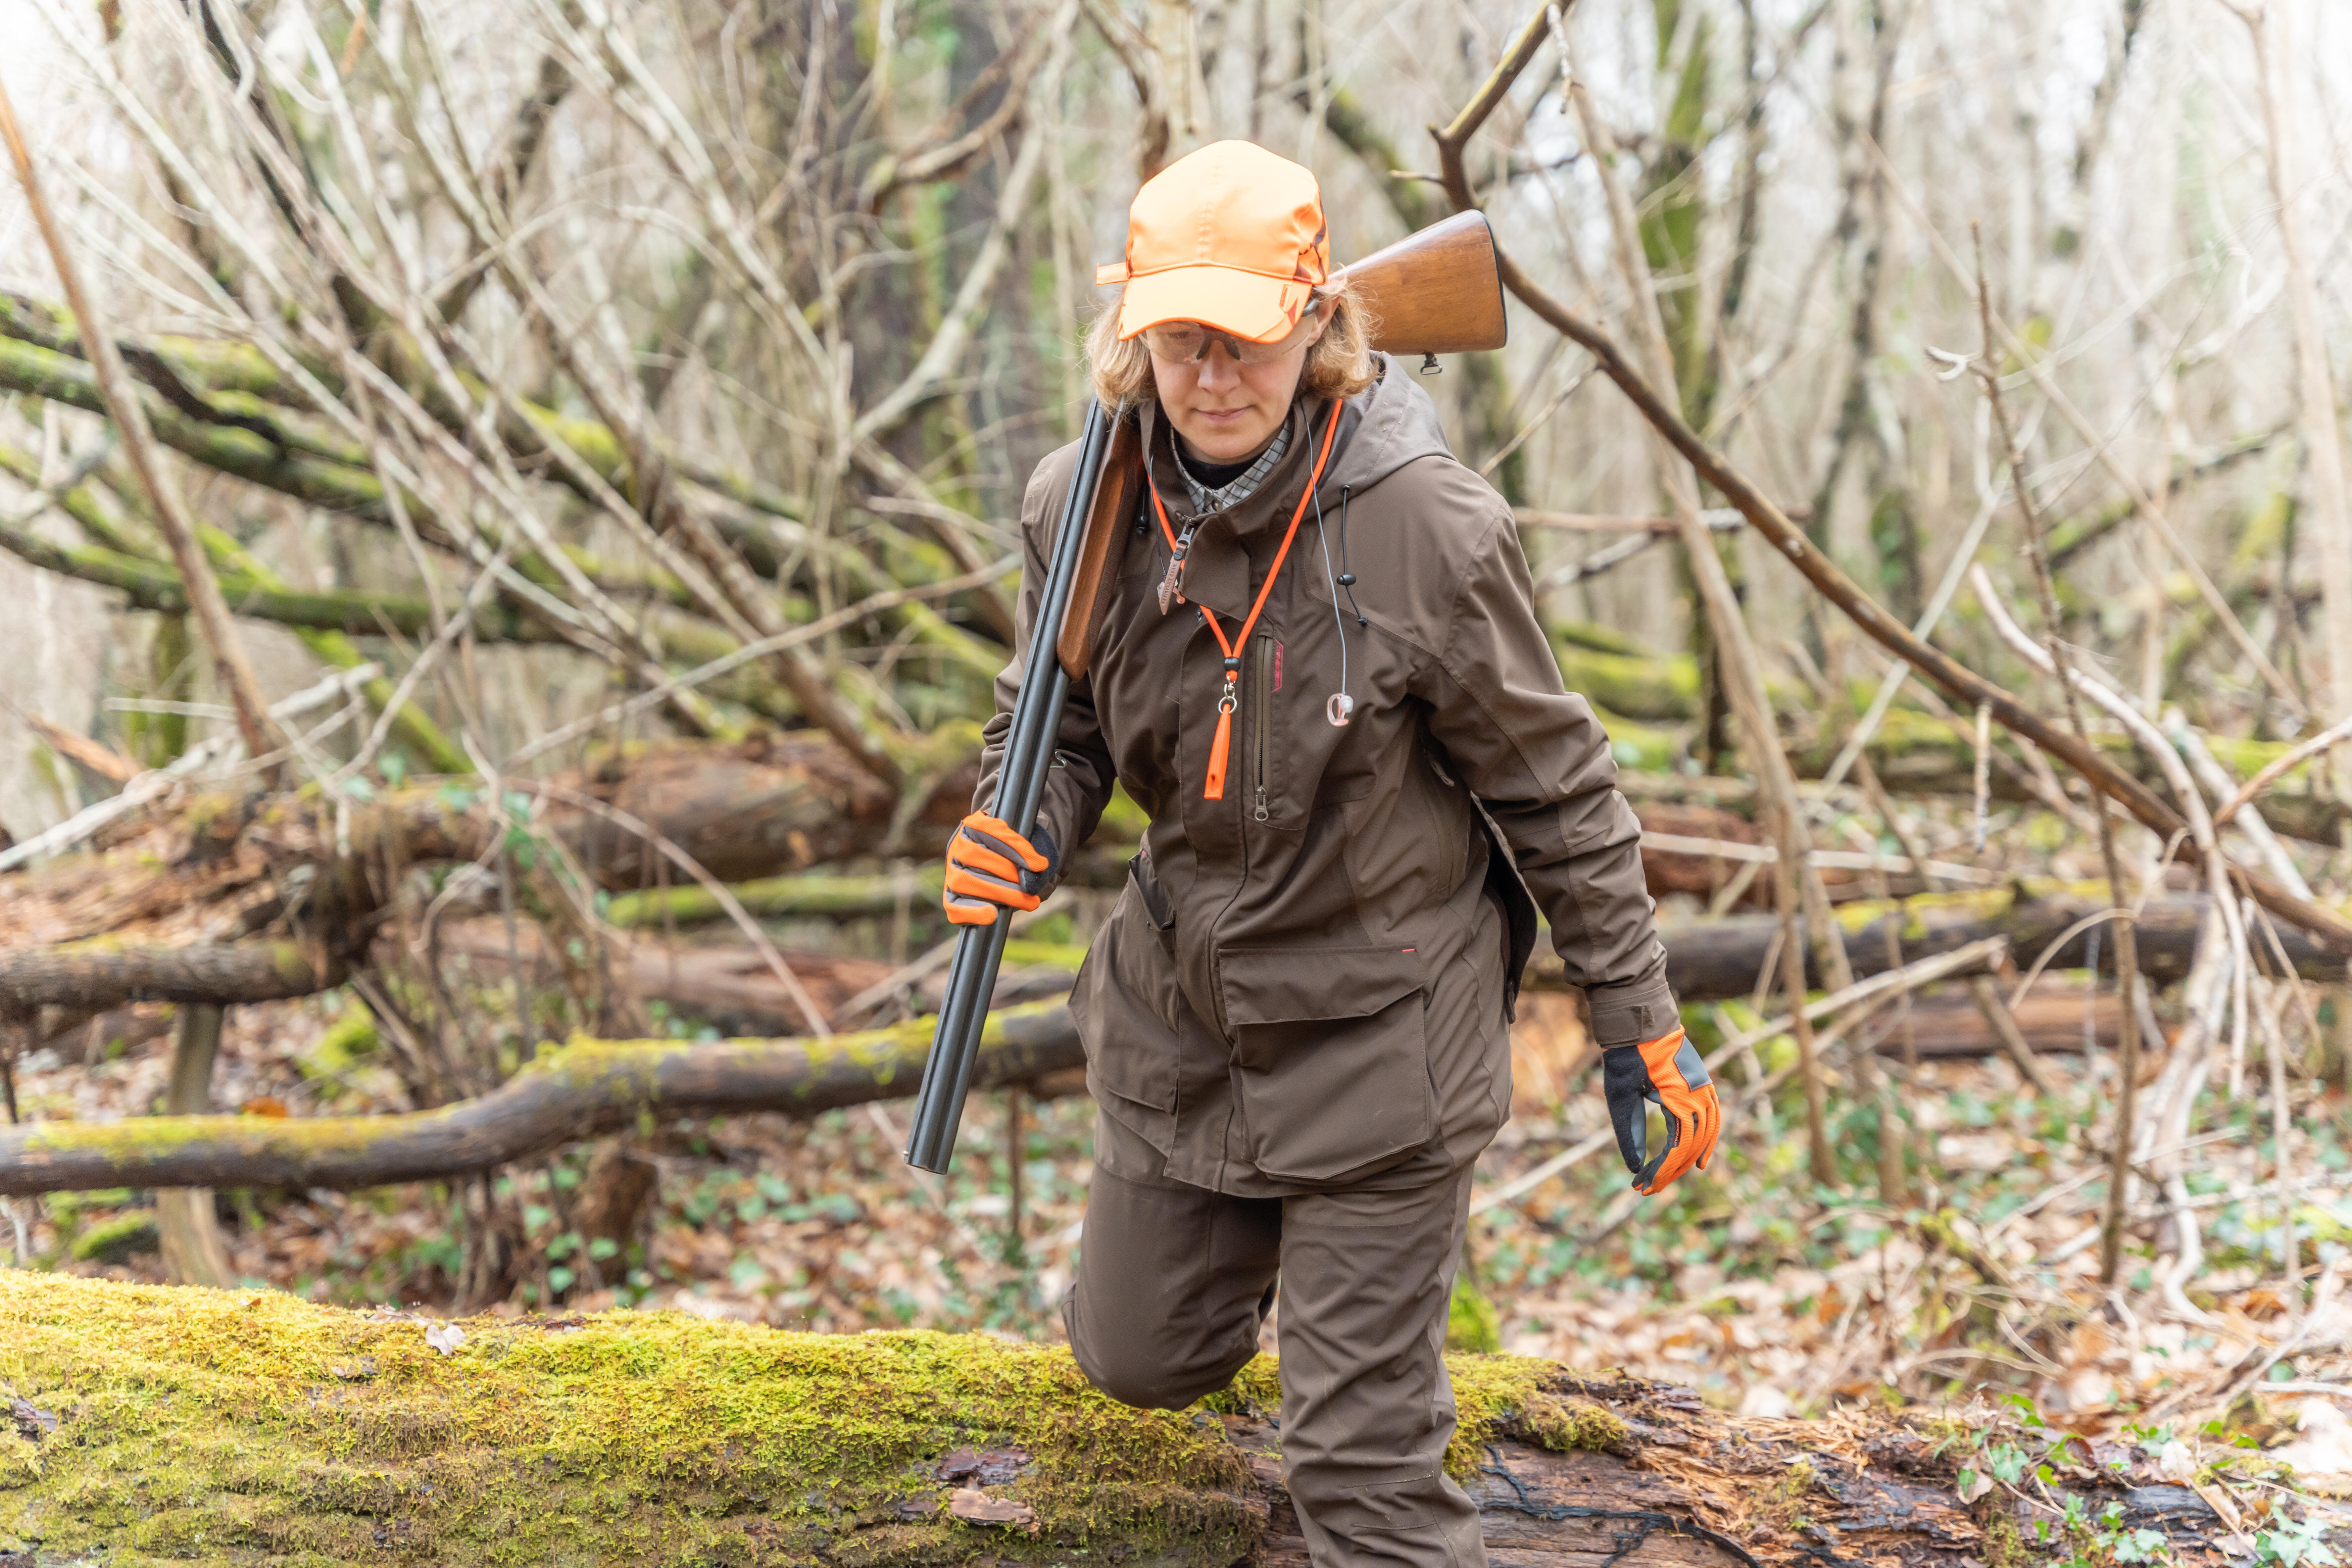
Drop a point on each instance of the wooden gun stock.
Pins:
(1435, 291)
(1115, 498)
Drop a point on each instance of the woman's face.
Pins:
(1224, 409)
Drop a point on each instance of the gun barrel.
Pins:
(1020, 784)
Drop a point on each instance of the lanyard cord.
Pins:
(1220, 748)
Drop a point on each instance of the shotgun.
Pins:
(1435, 291)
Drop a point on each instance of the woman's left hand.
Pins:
(1667, 1071)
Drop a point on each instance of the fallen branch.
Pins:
(91, 978)
(576, 1092)
(1716, 960)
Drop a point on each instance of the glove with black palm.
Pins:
(1666, 1072)
(990, 867)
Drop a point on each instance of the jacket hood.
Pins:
(1394, 423)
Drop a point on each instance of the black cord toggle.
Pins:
(1347, 578)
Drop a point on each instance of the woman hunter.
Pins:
(1322, 676)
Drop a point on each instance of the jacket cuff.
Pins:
(1629, 1014)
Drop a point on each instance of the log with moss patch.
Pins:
(214, 1427)
(576, 1092)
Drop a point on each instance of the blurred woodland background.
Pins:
(531, 567)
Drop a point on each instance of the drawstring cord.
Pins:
(1341, 707)
(1346, 577)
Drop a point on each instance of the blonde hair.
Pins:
(1339, 364)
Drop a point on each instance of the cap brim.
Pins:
(1250, 305)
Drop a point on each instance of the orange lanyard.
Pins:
(1220, 748)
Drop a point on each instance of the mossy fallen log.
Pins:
(814, 893)
(216, 1427)
(573, 1091)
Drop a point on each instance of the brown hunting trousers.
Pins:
(1174, 1282)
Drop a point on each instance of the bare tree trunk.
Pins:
(193, 1253)
(2331, 520)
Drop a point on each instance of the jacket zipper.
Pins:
(1262, 716)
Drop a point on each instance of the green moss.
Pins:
(348, 1043)
(1471, 1322)
(1651, 689)
(808, 894)
(117, 1240)
(2004, 1543)
(1574, 1426)
(231, 1426)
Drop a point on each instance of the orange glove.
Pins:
(990, 867)
(1665, 1071)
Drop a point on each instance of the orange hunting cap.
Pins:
(1231, 237)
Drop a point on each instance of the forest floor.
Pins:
(1767, 1294)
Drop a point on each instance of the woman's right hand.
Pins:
(990, 867)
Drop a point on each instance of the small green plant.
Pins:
(2295, 1544)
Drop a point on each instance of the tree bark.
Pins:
(234, 1425)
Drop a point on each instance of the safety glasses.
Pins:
(1186, 342)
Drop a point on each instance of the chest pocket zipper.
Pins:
(1261, 712)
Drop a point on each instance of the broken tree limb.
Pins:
(233, 1425)
(92, 977)
(1960, 682)
(571, 1092)
(154, 585)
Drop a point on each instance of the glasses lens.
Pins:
(1187, 341)
(1259, 353)
(1175, 340)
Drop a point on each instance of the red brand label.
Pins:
(1277, 666)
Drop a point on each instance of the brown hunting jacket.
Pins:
(1306, 983)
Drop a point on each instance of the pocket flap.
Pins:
(1288, 985)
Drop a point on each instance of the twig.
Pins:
(149, 787)
(1977, 956)
(819, 1025)
(2012, 1040)
(825, 626)
(1831, 859)
(2280, 765)
(1526, 1181)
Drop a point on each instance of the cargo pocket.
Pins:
(1330, 1058)
(1125, 1002)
